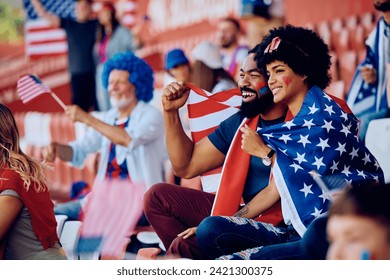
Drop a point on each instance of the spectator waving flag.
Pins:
(42, 39)
(30, 87)
(364, 97)
(321, 138)
(206, 111)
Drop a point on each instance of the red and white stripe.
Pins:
(112, 211)
(43, 40)
(29, 87)
(206, 111)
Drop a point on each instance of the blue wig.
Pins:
(141, 75)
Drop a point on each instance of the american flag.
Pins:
(41, 38)
(206, 111)
(363, 97)
(30, 87)
(112, 211)
(321, 138)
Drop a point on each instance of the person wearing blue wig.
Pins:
(129, 136)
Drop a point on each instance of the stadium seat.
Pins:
(70, 237)
(378, 142)
(347, 64)
(148, 253)
(60, 223)
(336, 88)
(334, 68)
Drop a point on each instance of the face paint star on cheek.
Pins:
(262, 87)
(287, 80)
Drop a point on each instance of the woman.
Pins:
(207, 70)
(27, 222)
(318, 136)
(111, 38)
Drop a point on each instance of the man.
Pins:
(233, 54)
(81, 37)
(130, 135)
(175, 212)
(368, 97)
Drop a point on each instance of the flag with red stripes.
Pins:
(29, 87)
(112, 211)
(206, 111)
(41, 38)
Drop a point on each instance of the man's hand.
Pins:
(188, 232)
(76, 114)
(174, 96)
(49, 153)
(368, 74)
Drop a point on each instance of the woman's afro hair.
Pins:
(302, 50)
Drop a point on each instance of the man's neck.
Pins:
(229, 49)
(386, 17)
(273, 114)
(126, 111)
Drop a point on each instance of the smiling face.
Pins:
(122, 92)
(286, 85)
(353, 237)
(256, 96)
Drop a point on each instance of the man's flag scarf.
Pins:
(321, 138)
(363, 97)
(206, 111)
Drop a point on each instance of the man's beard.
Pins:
(258, 106)
(383, 7)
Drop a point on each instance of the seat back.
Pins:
(69, 238)
(378, 142)
(60, 223)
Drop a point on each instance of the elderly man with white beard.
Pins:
(129, 137)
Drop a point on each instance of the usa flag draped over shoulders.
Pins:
(41, 38)
(206, 111)
(321, 138)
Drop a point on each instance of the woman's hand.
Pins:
(188, 232)
(252, 143)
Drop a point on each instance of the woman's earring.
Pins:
(304, 78)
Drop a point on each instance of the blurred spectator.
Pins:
(111, 38)
(260, 16)
(130, 136)
(177, 66)
(367, 95)
(81, 34)
(233, 54)
(27, 222)
(358, 225)
(208, 71)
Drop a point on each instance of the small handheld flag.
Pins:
(30, 87)
(111, 212)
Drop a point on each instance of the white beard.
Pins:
(121, 103)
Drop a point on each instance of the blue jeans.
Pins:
(219, 236)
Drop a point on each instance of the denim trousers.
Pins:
(288, 245)
(172, 209)
(235, 237)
